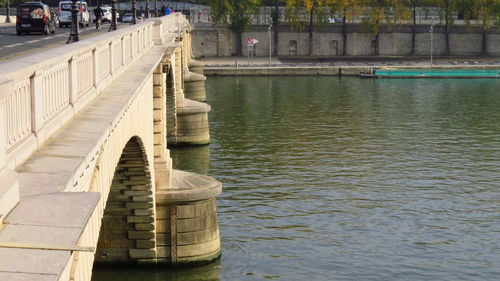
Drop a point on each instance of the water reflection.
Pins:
(203, 273)
(351, 179)
(194, 159)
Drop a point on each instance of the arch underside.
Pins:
(128, 231)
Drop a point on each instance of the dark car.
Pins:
(35, 17)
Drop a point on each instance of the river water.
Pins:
(350, 179)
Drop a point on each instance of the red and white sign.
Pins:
(252, 41)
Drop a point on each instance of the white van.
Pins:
(65, 13)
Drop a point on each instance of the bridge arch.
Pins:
(127, 232)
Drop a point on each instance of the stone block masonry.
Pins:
(89, 142)
(194, 86)
(187, 115)
(188, 233)
(127, 231)
(328, 41)
(186, 222)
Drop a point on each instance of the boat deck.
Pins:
(432, 73)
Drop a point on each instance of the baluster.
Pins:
(37, 102)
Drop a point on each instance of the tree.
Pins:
(413, 4)
(373, 23)
(348, 9)
(496, 12)
(382, 12)
(236, 13)
(275, 17)
(486, 10)
(447, 9)
(316, 11)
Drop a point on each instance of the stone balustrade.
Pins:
(43, 91)
(169, 26)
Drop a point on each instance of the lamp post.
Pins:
(199, 11)
(147, 9)
(7, 12)
(112, 26)
(270, 42)
(74, 35)
(134, 12)
(156, 9)
(432, 43)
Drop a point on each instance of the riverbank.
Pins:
(345, 66)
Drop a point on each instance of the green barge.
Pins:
(431, 73)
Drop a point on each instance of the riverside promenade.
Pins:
(336, 66)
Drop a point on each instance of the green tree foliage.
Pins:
(275, 18)
(311, 14)
(412, 5)
(496, 12)
(316, 11)
(347, 9)
(487, 12)
(236, 13)
(383, 12)
(448, 7)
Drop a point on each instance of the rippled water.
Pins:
(350, 179)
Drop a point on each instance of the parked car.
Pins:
(127, 17)
(334, 20)
(108, 15)
(35, 17)
(65, 13)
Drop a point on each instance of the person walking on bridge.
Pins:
(98, 13)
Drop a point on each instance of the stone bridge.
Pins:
(85, 173)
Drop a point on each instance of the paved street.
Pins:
(13, 45)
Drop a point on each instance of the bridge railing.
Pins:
(41, 92)
(169, 25)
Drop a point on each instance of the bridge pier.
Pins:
(196, 66)
(187, 225)
(188, 118)
(163, 162)
(194, 86)
(194, 80)
(187, 231)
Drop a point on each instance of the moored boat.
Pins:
(431, 73)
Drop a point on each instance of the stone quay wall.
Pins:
(219, 41)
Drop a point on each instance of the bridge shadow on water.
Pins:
(210, 272)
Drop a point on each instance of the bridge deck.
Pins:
(48, 215)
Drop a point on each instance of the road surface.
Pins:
(13, 45)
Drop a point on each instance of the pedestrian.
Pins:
(163, 10)
(98, 14)
(168, 11)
